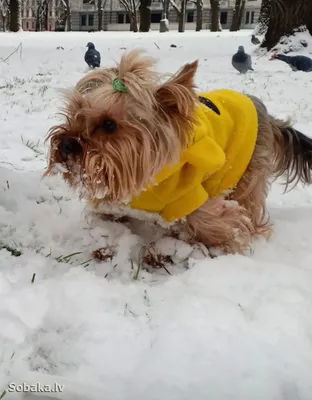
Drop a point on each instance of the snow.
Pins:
(232, 327)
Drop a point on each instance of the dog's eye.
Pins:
(109, 126)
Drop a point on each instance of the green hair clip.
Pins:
(119, 86)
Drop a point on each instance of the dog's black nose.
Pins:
(69, 147)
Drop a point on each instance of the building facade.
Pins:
(84, 15)
(116, 18)
(29, 14)
(33, 12)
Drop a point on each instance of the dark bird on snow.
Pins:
(92, 56)
(254, 40)
(296, 63)
(241, 61)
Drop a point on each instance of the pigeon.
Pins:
(254, 40)
(92, 56)
(296, 63)
(242, 61)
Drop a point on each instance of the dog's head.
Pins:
(121, 127)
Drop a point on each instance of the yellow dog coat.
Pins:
(221, 149)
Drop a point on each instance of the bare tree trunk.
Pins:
(199, 15)
(38, 22)
(39, 15)
(15, 15)
(180, 14)
(135, 16)
(215, 15)
(100, 15)
(237, 15)
(309, 17)
(4, 11)
(4, 20)
(264, 17)
(131, 8)
(166, 5)
(285, 16)
(133, 21)
(46, 14)
(181, 26)
(68, 16)
(46, 20)
(241, 13)
(234, 25)
(145, 15)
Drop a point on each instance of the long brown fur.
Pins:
(249, 216)
(152, 127)
(155, 123)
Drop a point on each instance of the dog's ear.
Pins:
(178, 93)
(177, 101)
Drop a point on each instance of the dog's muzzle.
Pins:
(69, 147)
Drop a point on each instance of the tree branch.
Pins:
(125, 4)
(174, 5)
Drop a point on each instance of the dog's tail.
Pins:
(293, 154)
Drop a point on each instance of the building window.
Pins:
(83, 20)
(27, 25)
(223, 17)
(190, 16)
(50, 13)
(121, 18)
(32, 25)
(155, 17)
(247, 17)
(91, 20)
(252, 17)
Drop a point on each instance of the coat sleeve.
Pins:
(206, 155)
(203, 159)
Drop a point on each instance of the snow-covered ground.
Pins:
(230, 328)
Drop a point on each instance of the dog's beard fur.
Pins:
(154, 124)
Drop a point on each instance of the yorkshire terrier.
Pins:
(133, 144)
